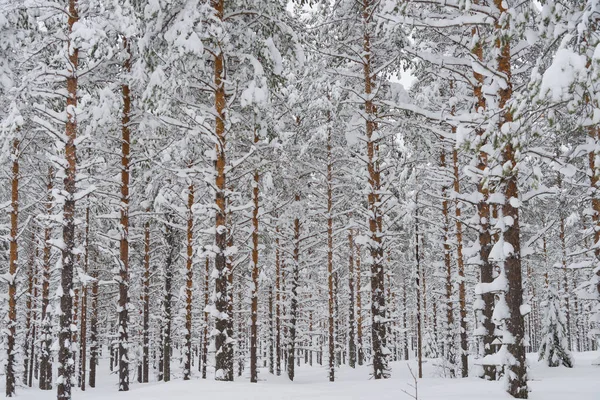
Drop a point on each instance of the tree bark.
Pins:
(12, 270)
(517, 375)
(255, 274)
(351, 317)
(294, 293)
(187, 369)
(205, 330)
(146, 305)
(84, 296)
(462, 301)
(46, 318)
(66, 366)
(223, 359)
(330, 283)
(124, 222)
(378, 309)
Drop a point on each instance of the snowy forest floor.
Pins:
(580, 382)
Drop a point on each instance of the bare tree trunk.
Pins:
(223, 359)
(378, 309)
(187, 369)
(124, 221)
(330, 283)
(418, 287)
(84, 290)
(294, 295)
(29, 344)
(255, 273)
(271, 341)
(484, 316)
(12, 270)
(517, 375)
(405, 316)
(205, 331)
(33, 364)
(94, 345)
(146, 305)
(46, 318)
(65, 355)
(462, 302)
(166, 329)
(359, 314)
(449, 340)
(277, 305)
(351, 318)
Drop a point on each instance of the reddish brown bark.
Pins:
(517, 377)
(124, 222)
(378, 310)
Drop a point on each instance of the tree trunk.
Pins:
(271, 341)
(187, 369)
(486, 269)
(94, 345)
(223, 359)
(359, 314)
(29, 342)
(255, 274)
(277, 305)
(330, 283)
(351, 318)
(124, 221)
(65, 355)
(167, 312)
(12, 270)
(84, 290)
(294, 294)
(146, 305)
(517, 375)
(205, 331)
(378, 310)
(418, 295)
(449, 340)
(462, 302)
(46, 317)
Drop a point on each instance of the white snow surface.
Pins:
(580, 382)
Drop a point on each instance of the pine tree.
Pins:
(554, 350)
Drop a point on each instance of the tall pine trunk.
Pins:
(10, 373)
(462, 300)
(46, 316)
(517, 368)
(294, 294)
(378, 310)
(84, 297)
(223, 343)
(146, 305)
(330, 283)
(187, 369)
(66, 367)
(124, 222)
(351, 317)
(255, 274)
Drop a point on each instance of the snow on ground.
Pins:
(579, 383)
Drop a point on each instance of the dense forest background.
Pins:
(234, 185)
